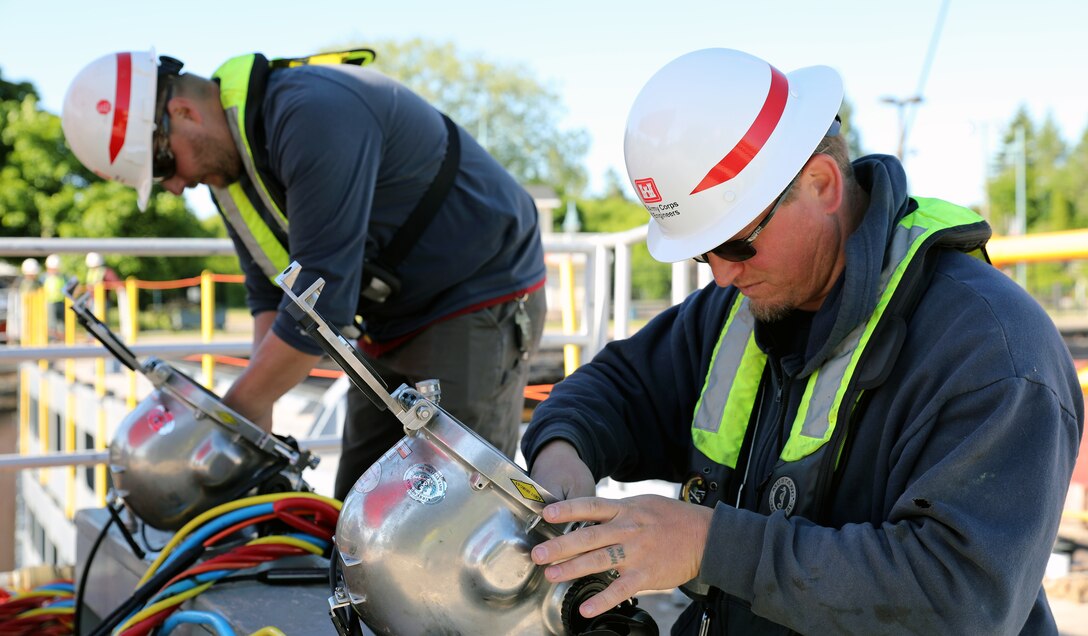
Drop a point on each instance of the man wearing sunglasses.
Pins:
(413, 226)
(873, 428)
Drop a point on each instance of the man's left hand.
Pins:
(653, 542)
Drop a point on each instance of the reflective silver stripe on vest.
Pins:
(826, 388)
(723, 369)
(234, 119)
(829, 378)
(241, 228)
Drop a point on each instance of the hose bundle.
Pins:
(45, 610)
(224, 538)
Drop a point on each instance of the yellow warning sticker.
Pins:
(528, 491)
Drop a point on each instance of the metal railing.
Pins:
(603, 313)
(604, 260)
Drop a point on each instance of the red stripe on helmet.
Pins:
(120, 104)
(752, 141)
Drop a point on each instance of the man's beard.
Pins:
(218, 160)
(769, 312)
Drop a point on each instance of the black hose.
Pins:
(77, 616)
(179, 564)
(140, 554)
(183, 560)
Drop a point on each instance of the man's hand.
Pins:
(274, 368)
(653, 542)
(562, 472)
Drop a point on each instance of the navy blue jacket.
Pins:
(355, 151)
(951, 492)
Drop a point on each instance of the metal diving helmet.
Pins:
(181, 451)
(435, 537)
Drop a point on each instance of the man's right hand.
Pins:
(562, 472)
(274, 368)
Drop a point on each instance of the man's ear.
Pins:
(184, 109)
(825, 182)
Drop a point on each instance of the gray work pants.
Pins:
(479, 361)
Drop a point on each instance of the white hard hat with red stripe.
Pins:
(109, 117)
(714, 137)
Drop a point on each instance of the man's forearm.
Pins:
(275, 367)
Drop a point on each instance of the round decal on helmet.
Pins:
(783, 495)
(369, 480)
(425, 483)
(160, 420)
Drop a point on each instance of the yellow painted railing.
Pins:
(1038, 248)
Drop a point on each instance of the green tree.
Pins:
(849, 132)
(46, 192)
(1044, 158)
(650, 279)
(1055, 196)
(512, 114)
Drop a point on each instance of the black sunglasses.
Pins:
(739, 250)
(163, 164)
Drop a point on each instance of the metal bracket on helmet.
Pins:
(411, 406)
(340, 610)
(404, 406)
(204, 402)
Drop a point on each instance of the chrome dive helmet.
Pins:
(181, 451)
(435, 536)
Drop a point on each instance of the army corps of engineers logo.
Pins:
(647, 190)
(783, 495)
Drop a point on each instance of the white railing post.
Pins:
(601, 300)
(622, 266)
(681, 281)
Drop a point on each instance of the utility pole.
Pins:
(907, 118)
(1021, 200)
(901, 104)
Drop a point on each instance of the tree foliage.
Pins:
(46, 192)
(1055, 197)
(849, 132)
(512, 114)
(650, 279)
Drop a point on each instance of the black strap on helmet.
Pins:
(169, 65)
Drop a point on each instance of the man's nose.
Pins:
(174, 185)
(725, 272)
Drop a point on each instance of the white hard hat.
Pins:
(109, 116)
(52, 261)
(714, 137)
(31, 267)
(94, 259)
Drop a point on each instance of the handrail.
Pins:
(130, 246)
(61, 352)
(1038, 247)
(14, 461)
(605, 260)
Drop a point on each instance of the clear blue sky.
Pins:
(992, 56)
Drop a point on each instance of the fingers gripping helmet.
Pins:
(714, 137)
(109, 116)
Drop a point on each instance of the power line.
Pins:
(931, 53)
(908, 106)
